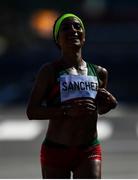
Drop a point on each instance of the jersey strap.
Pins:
(92, 70)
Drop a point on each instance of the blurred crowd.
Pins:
(26, 43)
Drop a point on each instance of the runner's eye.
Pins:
(77, 26)
(65, 27)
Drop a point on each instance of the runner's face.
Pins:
(71, 34)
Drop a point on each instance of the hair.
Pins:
(59, 22)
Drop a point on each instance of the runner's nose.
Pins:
(73, 28)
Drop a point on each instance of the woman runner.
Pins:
(70, 93)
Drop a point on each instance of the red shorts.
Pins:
(69, 157)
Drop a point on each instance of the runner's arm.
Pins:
(105, 100)
(35, 109)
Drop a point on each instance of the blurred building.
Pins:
(26, 43)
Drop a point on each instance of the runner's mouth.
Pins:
(73, 38)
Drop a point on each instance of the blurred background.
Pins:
(26, 43)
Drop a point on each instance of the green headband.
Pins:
(59, 22)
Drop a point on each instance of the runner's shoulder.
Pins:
(102, 72)
(100, 69)
(49, 68)
(48, 71)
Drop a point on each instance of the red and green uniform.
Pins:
(60, 155)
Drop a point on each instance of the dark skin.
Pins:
(79, 125)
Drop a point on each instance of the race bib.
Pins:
(77, 86)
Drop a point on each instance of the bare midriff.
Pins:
(72, 131)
